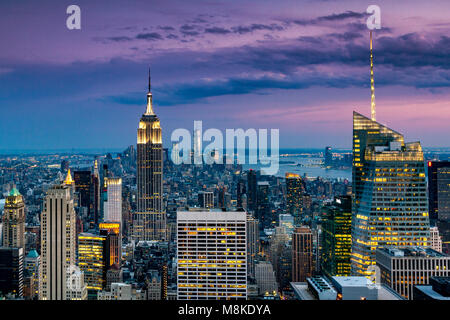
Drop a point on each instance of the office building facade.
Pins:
(211, 255)
(337, 237)
(402, 269)
(390, 205)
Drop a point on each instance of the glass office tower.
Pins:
(389, 204)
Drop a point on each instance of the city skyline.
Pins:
(302, 70)
(178, 213)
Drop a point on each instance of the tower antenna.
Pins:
(149, 110)
(372, 83)
(149, 80)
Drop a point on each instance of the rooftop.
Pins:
(430, 292)
(14, 192)
(33, 254)
(419, 252)
(351, 281)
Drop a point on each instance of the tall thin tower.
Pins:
(372, 83)
(58, 237)
(149, 222)
(389, 203)
(14, 221)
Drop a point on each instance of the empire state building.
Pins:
(149, 222)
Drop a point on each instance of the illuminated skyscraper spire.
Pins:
(68, 179)
(149, 220)
(149, 110)
(372, 83)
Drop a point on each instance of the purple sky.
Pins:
(300, 66)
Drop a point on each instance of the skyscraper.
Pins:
(439, 199)
(252, 243)
(295, 190)
(337, 237)
(11, 271)
(262, 212)
(83, 181)
(94, 210)
(211, 255)
(251, 190)
(14, 221)
(302, 254)
(57, 241)
(389, 205)
(93, 261)
(112, 232)
(328, 157)
(113, 205)
(240, 191)
(149, 222)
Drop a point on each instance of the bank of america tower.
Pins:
(390, 206)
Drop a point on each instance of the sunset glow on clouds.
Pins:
(300, 66)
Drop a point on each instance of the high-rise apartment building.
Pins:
(58, 239)
(13, 232)
(337, 237)
(402, 269)
(302, 254)
(150, 221)
(211, 255)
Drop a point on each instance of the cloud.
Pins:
(189, 30)
(119, 39)
(152, 36)
(166, 28)
(255, 27)
(342, 16)
(217, 30)
(335, 17)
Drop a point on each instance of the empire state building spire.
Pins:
(149, 110)
(372, 83)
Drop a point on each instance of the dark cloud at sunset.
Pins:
(300, 66)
